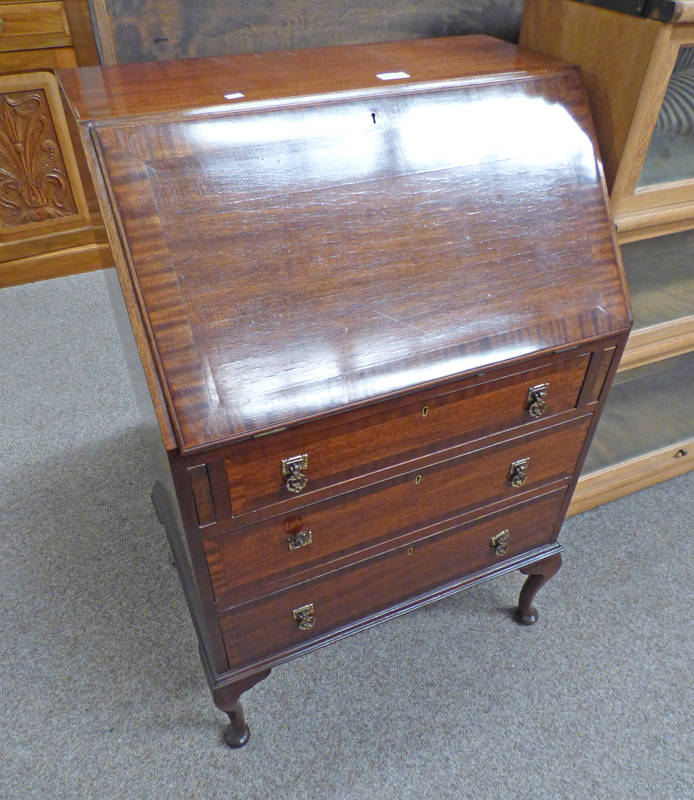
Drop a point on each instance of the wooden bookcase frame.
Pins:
(626, 63)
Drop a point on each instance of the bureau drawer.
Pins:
(24, 26)
(359, 442)
(282, 545)
(269, 626)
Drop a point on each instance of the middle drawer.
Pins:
(250, 559)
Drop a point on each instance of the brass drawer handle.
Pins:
(518, 473)
(304, 618)
(536, 401)
(300, 539)
(293, 470)
(501, 542)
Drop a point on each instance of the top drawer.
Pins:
(358, 442)
(26, 26)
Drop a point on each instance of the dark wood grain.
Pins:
(255, 630)
(373, 277)
(416, 499)
(227, 698)
(468, 219)
(187, 85)
(538, 575)
(200, 484)
(597, 373)
(369, 439)
(192, 571)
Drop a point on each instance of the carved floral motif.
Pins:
(33, 183)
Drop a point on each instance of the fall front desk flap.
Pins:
(301, 251)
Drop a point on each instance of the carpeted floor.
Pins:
(104, 696)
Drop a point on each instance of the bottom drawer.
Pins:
(272, 625)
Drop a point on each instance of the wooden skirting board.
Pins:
(629, 476)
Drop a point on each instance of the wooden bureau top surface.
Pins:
(200, 84)
(299, 258)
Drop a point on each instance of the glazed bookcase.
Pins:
(639, 71)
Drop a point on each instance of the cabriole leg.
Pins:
(227, 699)
(237, 733)
(538, 575)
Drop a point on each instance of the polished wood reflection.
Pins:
(365, 246)
(202, 83)
(370, 283)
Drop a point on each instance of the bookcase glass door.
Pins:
(670, 154)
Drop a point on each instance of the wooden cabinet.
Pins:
(377, 330)
(49, 223)
(27, 26)
(639, 71)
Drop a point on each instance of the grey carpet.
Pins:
(104, 697)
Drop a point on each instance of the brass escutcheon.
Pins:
(293, 469)
(518, 472)
(501, 542)
(303, 616)
(536, 401)
(425, 411)
(300, 539)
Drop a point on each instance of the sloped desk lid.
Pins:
(295, 257)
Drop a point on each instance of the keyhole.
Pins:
(373, 117)
(410, 550)
(425, 411)
(418, 480)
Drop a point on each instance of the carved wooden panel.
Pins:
(33, 182)
(39, 183)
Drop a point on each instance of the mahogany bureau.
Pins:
(378, 304)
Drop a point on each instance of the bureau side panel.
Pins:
(167, 490)
(184, 544)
